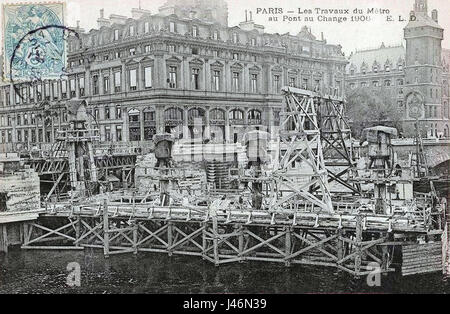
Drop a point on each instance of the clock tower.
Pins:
(423, 70)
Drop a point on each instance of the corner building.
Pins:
(182, 70)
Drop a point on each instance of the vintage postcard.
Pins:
(222, 147)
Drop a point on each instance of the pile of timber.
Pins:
(421, 258)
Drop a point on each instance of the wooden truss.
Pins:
(300, 141)
(347, 243)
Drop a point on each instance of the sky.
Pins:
(350, 35)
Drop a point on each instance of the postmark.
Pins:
(34, 44)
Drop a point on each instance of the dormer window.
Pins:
(235, 38)
(172, 27)
(352, 72)
(375, 68)
(253, 42)
(131, 30)
(132, 51)
(146, 27)
(235, 56)
(216, 35)
(116, 34)
(194, 31)
(387, 68)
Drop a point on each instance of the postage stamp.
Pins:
(33, 41)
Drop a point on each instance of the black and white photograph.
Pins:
(224, 151)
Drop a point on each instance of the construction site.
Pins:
(309, 194)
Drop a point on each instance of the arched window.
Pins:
(254, 116)
(236, 114)
(173, 114)
(217, 114)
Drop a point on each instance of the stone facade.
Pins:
(418, 73)
(183, 70)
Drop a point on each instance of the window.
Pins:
(147, 48)
(254, 83)
(387, 83)
(172, 27)
(32, 94)
(254, 58)
(25, 119)
(117, 54)
(146, 27)
(148, 77)
(132, 51)
(107, 133)
(194, 31)
(195, 78)
(117, 81)
(47, 90)
(352, 72)
(133, 80)
(387, 68)
(81, 85)
(292, 81)
(276, 83)
(171, 48)
(216, 35)
(106, 84)
(105, 57)
(19, 136)
(235, 82)
(215, 53)
(235, 56)
(305, 83)
(10, 136)
(55, 90)
(216, 80)
(19, 120)
(131, 30)
(172, 77)
(107, 113)
(118, 113)
(400, 82)
(400, 67)
(118, 133)
(253, 41)
(72, 87)
(235, 38)
(116, 34)
(375, 84)
(195, 51)
(95, 90)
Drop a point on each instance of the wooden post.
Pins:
(340, 245)
(215, 240)
(204, 241)
(287, 245)
(169, 237)
(241, 242)
(105, 228)
(358, 239)
(3, 239)
(25, 234)
(135, 237)
(77, 230)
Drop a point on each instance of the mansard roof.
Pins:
(382, 55)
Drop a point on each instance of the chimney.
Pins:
(101, 21)
(78, 24)
(246, 16)
(434, 15)
(251, 18)
(118, 19)
(138, 13)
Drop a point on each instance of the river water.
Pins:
(46, 272)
